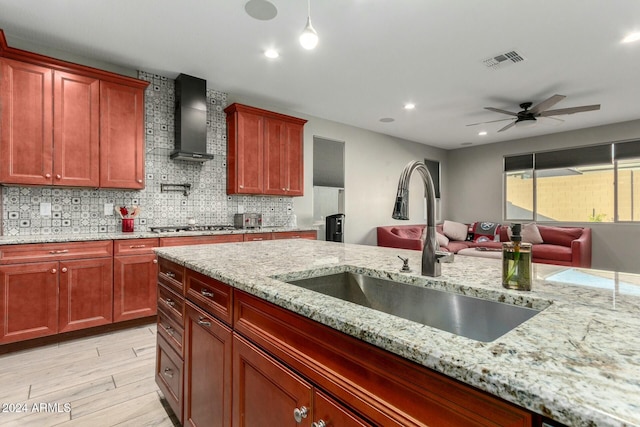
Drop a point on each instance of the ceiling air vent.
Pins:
(502, 60)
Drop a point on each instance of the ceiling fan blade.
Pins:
(571, 110)
(497, 110)
(492, 121)
(553, 118)
(510, 125)
(546, 104)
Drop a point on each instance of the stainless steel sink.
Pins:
(475, 318)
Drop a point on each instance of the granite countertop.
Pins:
(67, 237)
(577, 361)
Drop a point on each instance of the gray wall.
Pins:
(474, 189)
(373, 163)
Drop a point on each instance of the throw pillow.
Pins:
(530, 234)
(455, 230)
(484, 232)
(408, 232)
(443, 241)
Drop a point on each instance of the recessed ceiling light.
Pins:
(409, 106)
(633, 37)
(271, 53)
(387, 119)
(482, 133)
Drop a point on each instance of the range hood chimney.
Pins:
(191, 120)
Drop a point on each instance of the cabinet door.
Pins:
(275, 157)
(26, 123)
(207, 362)
(76, 144)
(86, 293)
(134, 286)
(265, 392)
(283, 161)
(121, 136)
(329, 413)
(245, 165)
(294, 162)
(28, 301)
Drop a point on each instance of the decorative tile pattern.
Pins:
(80, 211)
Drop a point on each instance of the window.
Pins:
(588, 184)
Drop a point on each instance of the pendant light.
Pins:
(309, 37)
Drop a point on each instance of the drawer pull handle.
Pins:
(170, 302)
(257, 238)
(137, 246)
(59, 251)
(320, 423)
(300, 413)
(170, 274)
(206, 293)
(203, 321)
(168, 372)
(169, 330)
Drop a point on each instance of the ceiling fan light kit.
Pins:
(528, 116)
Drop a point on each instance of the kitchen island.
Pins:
(576, 362)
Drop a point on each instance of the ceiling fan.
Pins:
(528, 116)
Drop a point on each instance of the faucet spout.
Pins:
(431, 253)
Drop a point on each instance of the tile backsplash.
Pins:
(79, 210)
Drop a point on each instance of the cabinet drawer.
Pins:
(169, 375)
(14, 254)
(211, 295)
(134, 246)
(256, 237)
(171, 331)
(200, 240)
(171, 303)
(171, 275)
(313, 235)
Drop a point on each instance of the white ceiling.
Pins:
(373, 56)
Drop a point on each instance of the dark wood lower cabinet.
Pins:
(207, 363)
(274, 367)
(265, 393)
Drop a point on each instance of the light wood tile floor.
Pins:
(99, 381)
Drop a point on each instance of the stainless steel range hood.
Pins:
(191, 120)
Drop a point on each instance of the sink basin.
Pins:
(475, 318)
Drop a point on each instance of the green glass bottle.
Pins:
(516, 262)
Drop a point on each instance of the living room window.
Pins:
(587, 184)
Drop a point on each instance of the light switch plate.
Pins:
(240, 208)
(45, 209)
(108, 209)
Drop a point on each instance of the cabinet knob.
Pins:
(155, 261)
(170, 274)
(241, 186)
(203, 321)
(170, 302)
(206, 293)
(139, 181)
(319, 423)
(64, 269)
(58, 176)
(54, 271)
(168, 372)
(283, 189)
(47, 175)
(300, 413)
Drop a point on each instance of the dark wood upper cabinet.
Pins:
(66, 124)
(264, 152)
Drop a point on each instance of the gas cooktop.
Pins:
(179, 228)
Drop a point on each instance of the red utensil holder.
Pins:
(127, 225)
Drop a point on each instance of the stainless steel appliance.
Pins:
(180, 228)
(247, 220)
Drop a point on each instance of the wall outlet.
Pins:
(45, 209)
(289, 209)
(240, 208)
(108, 209)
